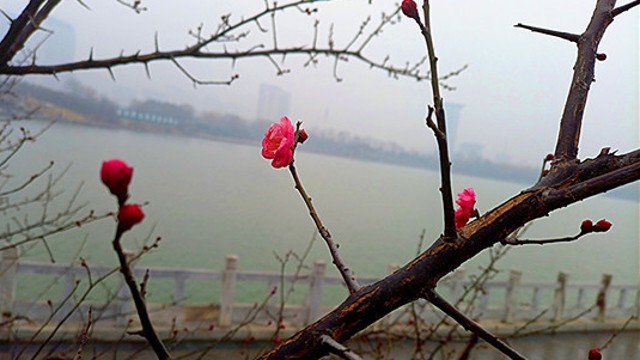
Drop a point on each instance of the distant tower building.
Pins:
(452, 111)
(273, 103)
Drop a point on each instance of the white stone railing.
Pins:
(509, 301)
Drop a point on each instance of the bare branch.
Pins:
(441, 136)
(470, 325)
(338, 349)
(147, 327)
(583, 76)
(563, 35)
(26, 24)
(345, 272)
(619, 10)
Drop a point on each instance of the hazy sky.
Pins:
(512, 92)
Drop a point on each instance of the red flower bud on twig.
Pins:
(602, 226)
(410, 9)
(594, 354)
(302, 136)
(116, 175)
(128, 216)
(586, 226)
(549, 157)
(601, 56)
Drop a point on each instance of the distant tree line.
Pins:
(100, 110)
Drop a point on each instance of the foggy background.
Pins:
(511, 94)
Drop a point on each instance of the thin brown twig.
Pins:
(338, 349)
(473, 340)
(619, 10)
(470, 325)
(84, 336)
(441, 133)
(141, 307)
(345, 272)
(559, 34)
(618, 331)
(512, 240)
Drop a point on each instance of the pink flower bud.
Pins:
(128, 216)
(594, 354)
(116, 175)
(410, 9)
(586, 226)
(302, 136)
(602, 226)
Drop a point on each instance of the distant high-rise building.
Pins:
(273, 102)
(452, 111)
(59, 44)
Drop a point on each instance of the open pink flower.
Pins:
(128, 216)
(466, 201)
(462, 217)
(277, 143)
(116, 175)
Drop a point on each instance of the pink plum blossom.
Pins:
(278, 142)
(467, 201)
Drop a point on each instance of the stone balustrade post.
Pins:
(314, 301)
(229, 276)
(511, 298)
(601, 299)
(8, 272)
(560, 296)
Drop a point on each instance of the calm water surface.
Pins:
(208, 199)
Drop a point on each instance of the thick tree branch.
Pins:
(145, 59)
(23, 27)
(410, 282)
(583, 76)
(8, 46)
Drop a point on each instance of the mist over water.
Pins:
(208, 199)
